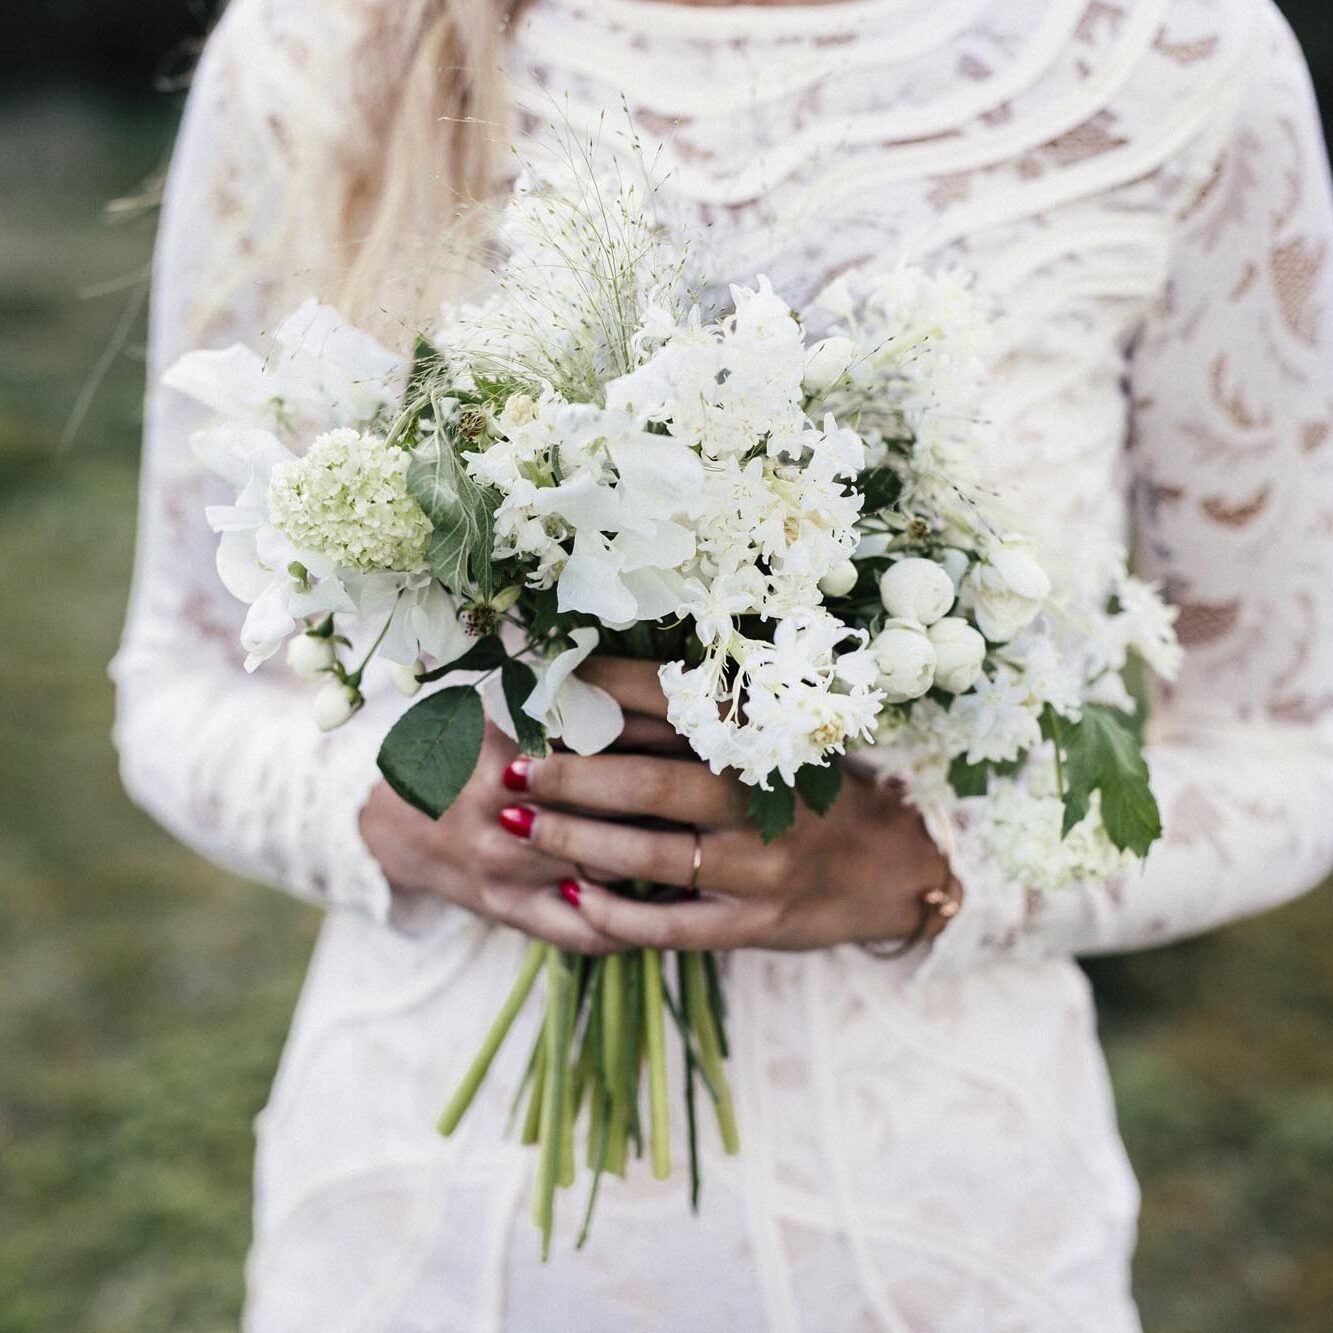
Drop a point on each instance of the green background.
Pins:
(144, 995)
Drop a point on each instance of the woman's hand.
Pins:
(855, 874)
(467, 858)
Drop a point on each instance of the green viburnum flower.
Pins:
(347, 498)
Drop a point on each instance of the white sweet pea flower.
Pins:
(320, 369)
(959, 653)
(826, 363)
(584, 716)
(905, 657)
(335, 703)
(309, 656)
(257, 563)
(917, 589)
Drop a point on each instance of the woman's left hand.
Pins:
(855, 874)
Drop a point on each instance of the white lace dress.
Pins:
(930, 1145)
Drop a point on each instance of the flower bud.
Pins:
(335, 703)
(826, 363)
(506, 597)
(839, 580)
(906, 660)
(917, 589)
(309, 655)
(1006, 593)
(954, 563)
(959, 652)
(405, 677)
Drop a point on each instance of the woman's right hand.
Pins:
(467, 858)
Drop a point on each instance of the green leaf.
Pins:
(969, 779)
(773, 811)
(881, 488)
(485, 655)
(459, 511)
(425, 361)
(819, 785)
(518, 680)
(431, 752)
(1103, 754)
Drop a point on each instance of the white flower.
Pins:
(840, 579)
(916, 589)
(257, 563)
(826, 363)
(906, 660)
(334, 704)
(320, 369)
(996, 720)
(310, 655)
(1006, 593)
(405, 677)
(1150, 625)
(1022, 830)
(584, 716)
(959, 653)
(347, 498)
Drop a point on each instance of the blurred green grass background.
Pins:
(144, 995)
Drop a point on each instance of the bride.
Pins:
(1141, 189)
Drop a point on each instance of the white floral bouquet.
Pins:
(596, 458)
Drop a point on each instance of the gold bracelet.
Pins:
(941, 903)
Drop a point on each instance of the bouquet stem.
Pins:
(654, 1027)
(494, 1039)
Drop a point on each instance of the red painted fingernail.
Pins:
(517, 819)
(569, 891)
(515, 777)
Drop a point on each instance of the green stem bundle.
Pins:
(602, 1039)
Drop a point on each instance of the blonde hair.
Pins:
(375, 128)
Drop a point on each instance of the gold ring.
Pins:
(693, 885)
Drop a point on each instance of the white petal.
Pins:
(664, 545)
(239, 567)
(231, 381)
(268, 622)
(334, 370)
(590, 718)
(1021, 572)
(581, 502)
(554, 674)
(590, 581)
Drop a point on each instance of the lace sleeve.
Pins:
(233, 765)
(1232, 465)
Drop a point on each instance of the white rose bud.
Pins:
(906, 660)
(405, 677)
(917, 589)
(1007, 592)
(840, 580)
(335, 703)
(310, 655)
(826, 363)
(959, 653)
